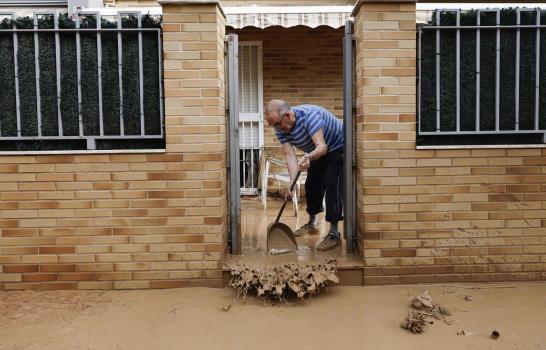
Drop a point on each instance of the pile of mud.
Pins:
(279, 282)
(424, 309)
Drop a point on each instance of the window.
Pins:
(482, 77)
(92, 82)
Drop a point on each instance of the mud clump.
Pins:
(280, 282)
(425, 305)
(424, 309)
(414, 322)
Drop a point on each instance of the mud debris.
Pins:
(425, 304)
(424, 309)
(495, 334)
(414, 322)
(279, 282)
(465, 333)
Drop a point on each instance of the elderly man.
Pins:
(319, 134)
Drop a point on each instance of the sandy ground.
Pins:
(340, 318)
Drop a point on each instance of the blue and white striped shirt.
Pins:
(309, 120)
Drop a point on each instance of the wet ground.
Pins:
(254, 222)
(339, 318)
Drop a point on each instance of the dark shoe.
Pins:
(331, 241)
(307, 229)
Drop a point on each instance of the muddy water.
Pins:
(254, 222)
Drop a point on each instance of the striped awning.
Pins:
(287, 16)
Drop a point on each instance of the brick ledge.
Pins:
(193, 2)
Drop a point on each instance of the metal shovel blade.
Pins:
(280, 239)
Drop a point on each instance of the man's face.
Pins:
(279, 122)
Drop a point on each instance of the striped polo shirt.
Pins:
(309, 120)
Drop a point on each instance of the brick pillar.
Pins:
(385, 129)
(193, 63)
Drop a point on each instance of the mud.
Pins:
(338, 318)
(31, 307)
(280, 238)
(424, 310)
(280, 282)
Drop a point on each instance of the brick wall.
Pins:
(435, 215)
(300, 65)
(81, 221)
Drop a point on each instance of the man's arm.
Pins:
(320, 146)
(320, 150)
(291, 159)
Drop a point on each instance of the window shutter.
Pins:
(249, 131)
(248, 78)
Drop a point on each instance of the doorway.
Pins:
(273, 63)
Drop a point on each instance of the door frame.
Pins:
(349, 165)
(234, 196)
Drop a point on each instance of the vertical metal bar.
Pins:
(37, 74)
(458, 75)
(497, 76)
(234, 172)
(518, 20)
(99, 73)
(438, 71)
(16, 69)
(244, 148)
(252, 154)
(160, 74)
(120, 79)
(349, 224)
(250, 78)
(79, 75)
(419, 81)
(478, 74)
(242, 79)
(537, 71)
(58, 75)
(141, 76)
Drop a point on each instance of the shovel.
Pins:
(280, 238)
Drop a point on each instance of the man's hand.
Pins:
(304, 162)
(285, 191)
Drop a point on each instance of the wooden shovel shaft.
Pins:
(286, 199)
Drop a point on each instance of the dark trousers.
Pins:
(325, 175)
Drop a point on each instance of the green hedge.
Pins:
(487, 73)
(89, 82)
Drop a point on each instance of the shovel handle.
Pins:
(286, 199)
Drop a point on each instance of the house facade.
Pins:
(159, 218)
